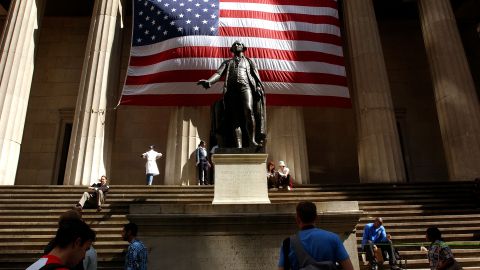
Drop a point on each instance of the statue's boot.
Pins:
(251, 133)
(238, 137)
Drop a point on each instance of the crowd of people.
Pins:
(72, 248)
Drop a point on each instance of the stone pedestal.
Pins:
(234, 237)
(240, 179)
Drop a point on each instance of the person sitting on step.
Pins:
(96, 194)
(284, 179)
(374, 237)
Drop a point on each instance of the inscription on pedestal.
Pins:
(240, 178)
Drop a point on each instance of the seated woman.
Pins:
(284, 178)
(272, 175)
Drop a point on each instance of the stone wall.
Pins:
(233, 237)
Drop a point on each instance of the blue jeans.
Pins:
(149, 179)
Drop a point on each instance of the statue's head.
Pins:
(238, 44)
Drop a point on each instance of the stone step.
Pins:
(29, 215)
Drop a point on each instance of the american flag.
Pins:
(295, 44)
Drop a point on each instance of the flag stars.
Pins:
(153, 37)
(165, 17)
(205, 9)
(204, 21)
(213, 5)
(197, 15)
(172, 23)
(179, 29)
(189, 10)
(146, 3)
(213, 16)
(153, 22)
(140, 26)
(139, 40)
(159, 28)
(188, 21)
(166, 4)
(152, 8)
(180, 15)
(165, 32)
(212, 29)
(197, 4)
(173, 9)
(140, 13)
(195, 28)
(146, 32)
(147, 18)
(182, 4)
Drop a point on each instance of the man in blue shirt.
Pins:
(321, 245)
(136, 257)
(374, 234)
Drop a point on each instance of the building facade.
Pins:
(414, 78)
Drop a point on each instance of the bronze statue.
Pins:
(239, 118)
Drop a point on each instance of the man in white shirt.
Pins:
(151, 166)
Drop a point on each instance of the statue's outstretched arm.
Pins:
(211, 81)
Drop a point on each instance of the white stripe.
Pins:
(270, 88)
(226, 42)
(214, 63)
(320, 11)
(280, 26)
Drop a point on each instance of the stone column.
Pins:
(286, 141)
(188, 125)
(379, 153)
(455, 97)
(17, 48)
(88, 156)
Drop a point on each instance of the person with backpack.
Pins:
(312, 248)
(73, 238)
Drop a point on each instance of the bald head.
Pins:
(378, 222)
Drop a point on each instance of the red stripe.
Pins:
(217, 52)
(266, 75)
(281, 35)
(279, 17)
(207, 100)
(310, 3)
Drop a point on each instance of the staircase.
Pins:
(29, 216)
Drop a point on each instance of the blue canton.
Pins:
(136, 258)
(158, 20)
